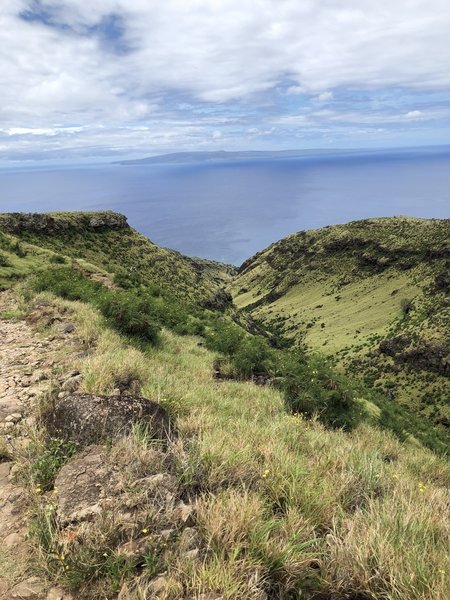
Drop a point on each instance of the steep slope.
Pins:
(372, 293)
(105, 240)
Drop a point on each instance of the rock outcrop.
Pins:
(43, 223)
(92, 419)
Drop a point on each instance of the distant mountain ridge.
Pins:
(223, 156)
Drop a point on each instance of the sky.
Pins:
(90, 80)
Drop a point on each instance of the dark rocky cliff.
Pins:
(45, 223)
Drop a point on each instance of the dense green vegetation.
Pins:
(311, 384)
(365, 303)
(373, 295)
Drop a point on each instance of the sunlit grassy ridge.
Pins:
(345, 289)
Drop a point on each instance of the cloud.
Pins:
(106, 65)
(415, 114)
(324, 96)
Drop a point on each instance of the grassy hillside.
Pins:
(105, 240)
(284, 478)
(374, 294)
(282, 507)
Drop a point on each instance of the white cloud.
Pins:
(295, 90)
(325, 96)
(69, 75)
(415, 114)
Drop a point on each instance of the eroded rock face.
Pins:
(91, 419)
(419, 354)
(221, 300)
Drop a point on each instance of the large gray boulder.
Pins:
(91, 419)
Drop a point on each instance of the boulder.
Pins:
(91, 419)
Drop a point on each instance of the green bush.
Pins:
(130, 315)
(253, 357)
(46, 467)
(312, 387)
(57, 259)
(67, 283)
(224, 337)
(4, 261)
(123, 310)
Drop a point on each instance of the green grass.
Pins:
(283, 505)
(341, 290)
(317, 485)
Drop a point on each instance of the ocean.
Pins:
(228, 211)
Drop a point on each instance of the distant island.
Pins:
(223, 156)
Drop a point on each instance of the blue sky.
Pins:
(107, 79)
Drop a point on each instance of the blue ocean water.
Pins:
(229, 211)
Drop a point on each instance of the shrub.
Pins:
(253, 357)
(406, 304)
(57, 259)
(224, 337)
(66, 283)
(313, 388)
(50, 461)
(4, 261)
(124, 310)
(130, 315)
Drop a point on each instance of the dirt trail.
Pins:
(26, 362)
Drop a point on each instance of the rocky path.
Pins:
(26, 361)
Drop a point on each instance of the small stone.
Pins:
(13, 471)
(134, 548)
(40, 376)
(58, 594)
(116, 392)
(72, 384)
(7, 427)
(183, 512)
(69, 328)
(124, 593)
(13, 539)
(30, 589)
(193, 554)
(166, 534)
(14, 418)
(189, 539)
(72, 373)
(157, 585)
